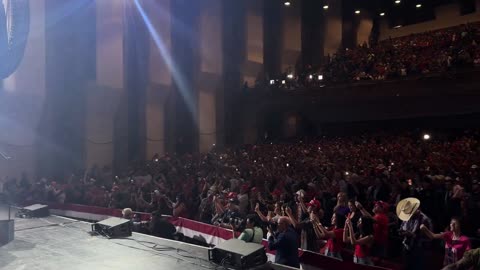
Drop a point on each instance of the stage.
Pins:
(57, 242)
(60, 243)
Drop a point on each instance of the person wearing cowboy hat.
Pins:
(414, 241)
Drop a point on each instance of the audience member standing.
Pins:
(414, 242)
(285, 242)
(455, 243)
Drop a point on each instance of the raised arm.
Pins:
(366, 240)
(260, 214)
(292, 218)
(326, 233)
(430, 234)
(364, 212)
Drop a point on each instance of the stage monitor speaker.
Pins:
(238, 254)
(34, 211)
(113, 227)
(7, 230)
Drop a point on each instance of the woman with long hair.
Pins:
(363, 242)
(334, 236)
(456, 244)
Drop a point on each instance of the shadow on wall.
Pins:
(288, 125)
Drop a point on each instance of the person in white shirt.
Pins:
(252, 233)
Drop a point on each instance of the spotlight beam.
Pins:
(166, 56)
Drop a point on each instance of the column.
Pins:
(210, 78)
(313, 31)
(160, 81)
(349, 25)
(234, 51)
(182, 122)
(136, 71)
(106, 101)
(253, 66)
(291, 35)
(273, 37)
(70, 64)
(333, 28)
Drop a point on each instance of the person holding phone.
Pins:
(362, 242)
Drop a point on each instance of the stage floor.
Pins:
(61, 243)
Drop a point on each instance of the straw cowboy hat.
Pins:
(407, 207)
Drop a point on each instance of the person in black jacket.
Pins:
(285, 242)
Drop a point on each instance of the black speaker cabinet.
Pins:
(238, 254)
(7, 230)
(113, 227)
(34, 211)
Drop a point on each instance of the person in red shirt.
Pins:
(334, 236)
(363, 242)
(380, 226)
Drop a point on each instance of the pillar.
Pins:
(291, 36)
(106, 101)
(160, 81)
(234, 51)
(182, 116)
(136, 70)
(70, 64)
(349, 24)
(313, 32)
(333, 28)
(210, 78)
(273, 37)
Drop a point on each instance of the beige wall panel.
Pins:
(158, 12)
(364, 30)
(110, 17)
(292, 36)
(333, 28)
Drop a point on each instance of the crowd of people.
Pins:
(378, 193)
(425, 53)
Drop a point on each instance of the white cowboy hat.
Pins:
(407, 207)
